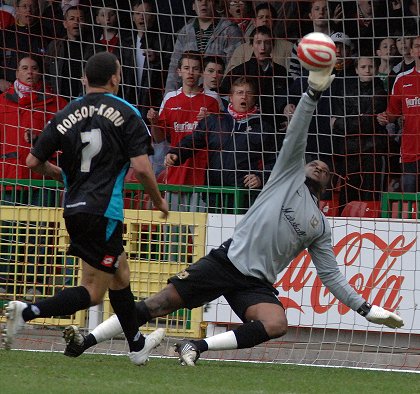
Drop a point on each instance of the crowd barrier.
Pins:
(34, 241)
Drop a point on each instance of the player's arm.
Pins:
(144, 173)
(44, 168)
(47, 144)
(326, 265)
(291, 157)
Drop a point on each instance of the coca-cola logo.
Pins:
(376, 284)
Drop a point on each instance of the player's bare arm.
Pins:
(44, 168)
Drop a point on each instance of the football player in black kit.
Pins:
(99, 136)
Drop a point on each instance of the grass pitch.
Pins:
(36, 372)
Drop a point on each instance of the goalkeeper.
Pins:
(283, 221)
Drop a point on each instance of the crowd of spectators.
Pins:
(181, 61)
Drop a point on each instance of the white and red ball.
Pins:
(316, 51)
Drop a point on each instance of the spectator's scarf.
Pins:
(242, 115)
(242, 23)
(111, 45)
(27, 93)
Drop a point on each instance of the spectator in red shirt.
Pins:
(107, 19)
(177, 118)
(405, 102)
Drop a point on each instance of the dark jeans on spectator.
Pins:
(410, 177)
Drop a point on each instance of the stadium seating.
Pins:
(329, 207)
(366, 209)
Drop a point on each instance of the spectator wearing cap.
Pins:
(265, 15)
(344, 65)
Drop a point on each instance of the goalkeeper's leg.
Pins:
(264, 322)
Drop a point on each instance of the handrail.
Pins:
(238, 196)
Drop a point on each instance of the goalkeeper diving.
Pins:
(283, 221)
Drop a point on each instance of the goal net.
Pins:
(226, 147)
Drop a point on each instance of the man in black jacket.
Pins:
(270, 78)
(66, 57)
(362, 142)
(241, 146)
(145, 57)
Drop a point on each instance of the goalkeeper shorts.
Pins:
(213, 276)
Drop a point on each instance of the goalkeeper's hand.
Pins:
(379, 315)
(321, 80)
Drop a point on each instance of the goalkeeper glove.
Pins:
(319, 81)
(378, 315)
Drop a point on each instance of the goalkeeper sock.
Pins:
(123, 303)
(65, 303)
(245, 336)
(251, 334)
(224, 341)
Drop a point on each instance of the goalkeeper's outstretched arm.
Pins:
(379, 315)
(326, 265)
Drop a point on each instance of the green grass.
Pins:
(35, 372)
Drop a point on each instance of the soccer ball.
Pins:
(316, 51)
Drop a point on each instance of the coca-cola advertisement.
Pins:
(377, 257)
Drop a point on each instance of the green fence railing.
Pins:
(400, 205)
(49, 193)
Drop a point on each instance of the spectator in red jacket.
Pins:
(25, 108)
(24, 36)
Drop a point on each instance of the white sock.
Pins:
(107, 329)
(224, 341)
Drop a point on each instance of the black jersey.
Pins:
(97, 135)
